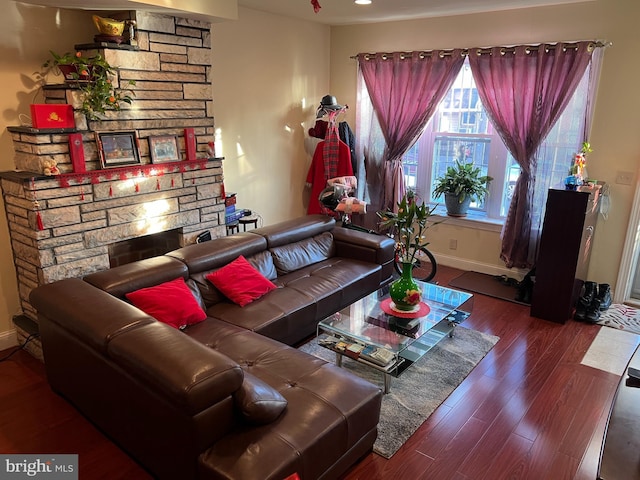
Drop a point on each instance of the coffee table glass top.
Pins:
(364, 321)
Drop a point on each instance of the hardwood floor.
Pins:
(529, 410)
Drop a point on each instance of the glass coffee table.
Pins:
(388, 342)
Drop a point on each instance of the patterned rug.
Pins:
(422, 387)
(622, 317)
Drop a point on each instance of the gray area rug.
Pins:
(421, 388)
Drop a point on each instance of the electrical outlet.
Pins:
(624, 178)
(453, 244)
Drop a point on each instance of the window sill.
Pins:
(474, 219)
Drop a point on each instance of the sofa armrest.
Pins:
(160, 357)
(91, 315)
(367, 247)
(190, 374)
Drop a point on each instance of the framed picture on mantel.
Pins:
(164, 148)
(118, 149)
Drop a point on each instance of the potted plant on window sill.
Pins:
(93, 76)
(461, 185)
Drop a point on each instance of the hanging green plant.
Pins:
(93, 76)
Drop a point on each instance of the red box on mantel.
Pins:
(52, 115)
(230, 199)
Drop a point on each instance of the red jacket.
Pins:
(316, 175)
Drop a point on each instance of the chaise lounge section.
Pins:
(227, 397)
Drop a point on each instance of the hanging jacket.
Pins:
(317, 178)
(347, 136)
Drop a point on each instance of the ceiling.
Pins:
(333, 12)
(344, 12)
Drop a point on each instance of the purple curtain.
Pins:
(594, 77)
(524, 90)
(405, 89)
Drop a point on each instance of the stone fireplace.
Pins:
(73, 224)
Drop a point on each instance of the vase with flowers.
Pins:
(94, 77)
(409, 225)
(578, 170)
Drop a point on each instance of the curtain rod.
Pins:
(487, 50)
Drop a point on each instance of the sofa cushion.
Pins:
(216, 253)
(195, 290)
(294, 230)
(340, 409)
(258, 402)
(240, 282)
(133, 276)
(292, 257)
(263, 262)
(170, 302)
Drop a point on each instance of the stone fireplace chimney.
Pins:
(62, 226)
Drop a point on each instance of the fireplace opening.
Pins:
(139, 248)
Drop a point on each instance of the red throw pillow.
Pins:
(240, 282)
(170, 302)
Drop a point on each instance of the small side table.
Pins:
(249, 219)
(233, 227)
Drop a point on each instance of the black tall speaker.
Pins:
(565, 247)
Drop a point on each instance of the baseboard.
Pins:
(471, 265)
(632, 302)
(8, 339)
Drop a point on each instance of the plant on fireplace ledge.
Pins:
(93, 76)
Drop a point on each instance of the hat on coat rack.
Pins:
(329, 104)
(319, 130)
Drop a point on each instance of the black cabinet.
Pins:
(563, 254)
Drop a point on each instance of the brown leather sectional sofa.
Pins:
(227, 398)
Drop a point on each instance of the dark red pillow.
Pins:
(240, 282)
(170, 302)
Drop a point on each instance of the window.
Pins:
(460, 130)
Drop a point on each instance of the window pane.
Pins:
(510, 179)
(448, 149)
(410, 167)
(461, 110)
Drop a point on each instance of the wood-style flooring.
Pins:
(529, 410)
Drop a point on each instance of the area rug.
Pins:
(421, 388)
(622, 317)
(497, 286)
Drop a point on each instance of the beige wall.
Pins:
(27, 33)
(615, 137)
(269, 74)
